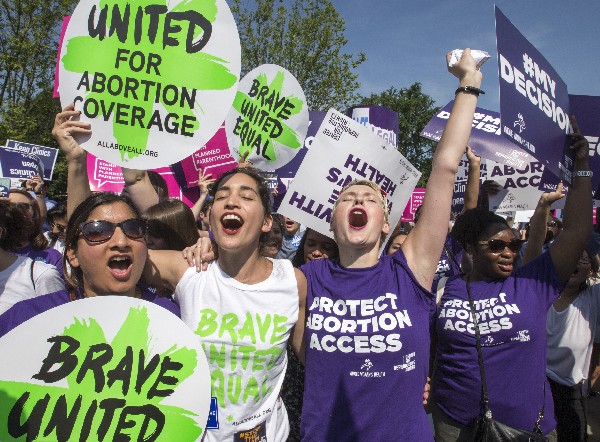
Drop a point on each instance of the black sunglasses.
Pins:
(60, 227)
(498, 245)
(100, 231)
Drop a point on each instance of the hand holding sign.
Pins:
(551, 197)
(580, 145)
(66, 127)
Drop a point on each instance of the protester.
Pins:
(241, 287)
(271, 244)
(202, 204)
(171, 226)
(314, 245)
(57, 218)
(106, 251)
(20, 277)
(511, 314)
(291, 239)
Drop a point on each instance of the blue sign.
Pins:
(21, 160)
(213, 415)
(534, 101)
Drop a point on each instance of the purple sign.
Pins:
(486, 138)
(587, 109)
(213, 158)
(22, 160)
(381, 120)
(534, 101)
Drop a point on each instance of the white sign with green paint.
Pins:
(106, 368)
(155, 79)
(269, 118)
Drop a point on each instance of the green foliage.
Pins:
(306, 38)
(415, 108)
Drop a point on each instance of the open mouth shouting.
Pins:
(231, 223)
(357, 218)
(120, 266)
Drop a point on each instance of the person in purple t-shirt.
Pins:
(106, 250)
(511, 311)
(368, 331)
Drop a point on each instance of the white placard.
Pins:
(520, 187)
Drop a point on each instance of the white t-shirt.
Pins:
(244, 331)
(16, 282)
(571, 336)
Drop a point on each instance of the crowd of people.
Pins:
(454, 321)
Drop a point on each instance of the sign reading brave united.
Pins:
(154, 78)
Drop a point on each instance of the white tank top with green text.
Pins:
(244, 331)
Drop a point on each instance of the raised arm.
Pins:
(64, 130)
(139, 188)
(577, 215)
(424, 244)
(164, 268)
(297, 335)
(203, 183)
(538, 224)
(472, 191)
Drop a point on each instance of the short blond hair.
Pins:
(372, 185)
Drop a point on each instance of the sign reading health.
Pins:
(156, 80)
(344, 150)
(534, 101)
(103, 368)
(22, 160)
(269, 118)
(486, 138)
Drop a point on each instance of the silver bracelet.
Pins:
(583, 174)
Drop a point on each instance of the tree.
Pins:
(415, 108)
(308, 40)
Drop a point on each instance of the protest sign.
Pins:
(520, 187)
(214, 158)
(269, 118)
(534, 102)
(156, 80)
(103, 368)
(460, 183)
(381, 120)
(107, 177)
(586, 109)
(416, 199)
(344, 150)
(486, 138)
(4, 187)
(22, 160)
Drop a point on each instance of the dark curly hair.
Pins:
(263, 189)
(15, 226)
(473, 224)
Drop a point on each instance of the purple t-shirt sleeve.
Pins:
(542, 277)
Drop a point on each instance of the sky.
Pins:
(405, 41)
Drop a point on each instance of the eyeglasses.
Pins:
(498, 245)
(100, 231)
(60, 227)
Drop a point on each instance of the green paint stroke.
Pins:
(129, 376)
(187, 72)
(262, 113)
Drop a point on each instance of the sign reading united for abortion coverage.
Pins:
(486, 138)
(103, 368)
(534, 101)
(344, 150)
(269, 118)
(156, 79)
(22, 160)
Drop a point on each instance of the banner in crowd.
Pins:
(381, 120)
(161, 79)
(519, 187)
(269, 118)
(107, 177)
(587, 111)
(534, 102)
(344, 150)
(4, 187)
(213, 158)
(486, 138)
(416, 199)
(22, 160)
(107, 368)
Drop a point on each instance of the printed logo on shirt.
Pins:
(213, 415)
(296, 241)
(366, 371)
(256, 434)
(493, 315)
(408, 363)
(522, 336)
(362, 325)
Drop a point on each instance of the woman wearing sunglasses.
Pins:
(510, 307)
(106, 250)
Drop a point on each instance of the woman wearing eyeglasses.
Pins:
(106, 250)
(510, 307)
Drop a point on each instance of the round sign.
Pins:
(269, 118)
(155, 81)
(103, 368)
